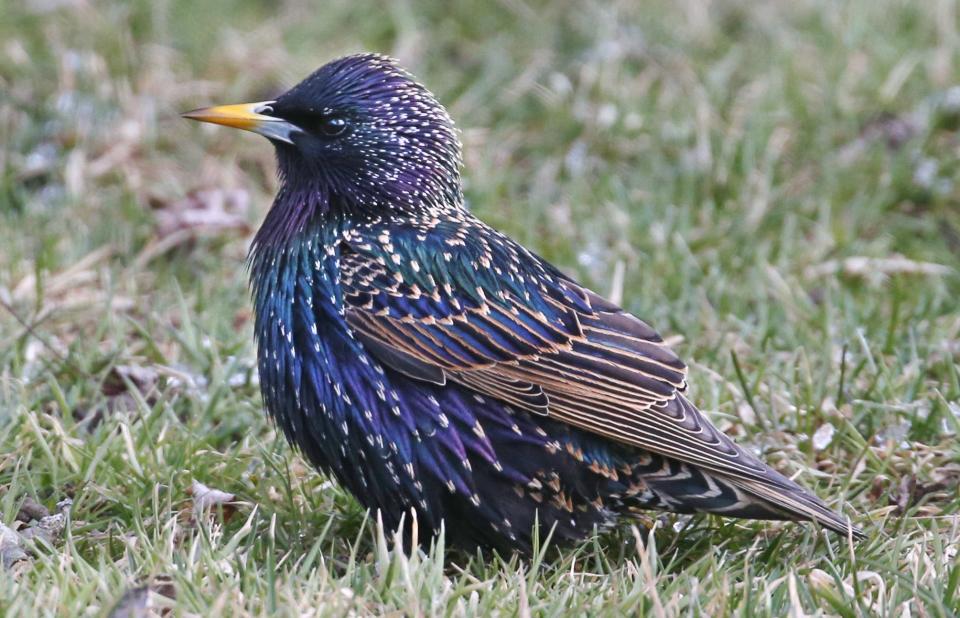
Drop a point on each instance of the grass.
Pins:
(774, 185)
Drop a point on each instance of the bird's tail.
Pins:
(794, 502)
(684, 488)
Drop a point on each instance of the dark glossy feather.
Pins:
(439, 370)
(596, 368)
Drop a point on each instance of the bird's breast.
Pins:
(329, 396)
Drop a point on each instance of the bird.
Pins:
(440, 371)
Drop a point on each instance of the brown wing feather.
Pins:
(610, 374)
(591, 365)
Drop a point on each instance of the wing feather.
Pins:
(530, 337)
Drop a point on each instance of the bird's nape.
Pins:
(430, 363)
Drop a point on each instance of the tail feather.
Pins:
(796, 503)
(683, 488)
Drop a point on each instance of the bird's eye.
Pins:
(327, 125)
(332, 126)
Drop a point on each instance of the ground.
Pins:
(773, 185)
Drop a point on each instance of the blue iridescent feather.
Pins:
(441, 371)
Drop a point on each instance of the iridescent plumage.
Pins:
(432, 364)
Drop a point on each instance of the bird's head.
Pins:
(359, 132)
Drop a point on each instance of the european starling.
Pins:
(440, 370)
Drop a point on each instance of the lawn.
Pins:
(774, 185)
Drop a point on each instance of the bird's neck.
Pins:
(295, 213)
(300, 241)
(306, 210)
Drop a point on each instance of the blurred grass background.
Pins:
(773, 185)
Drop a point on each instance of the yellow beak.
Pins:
(249, 117)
